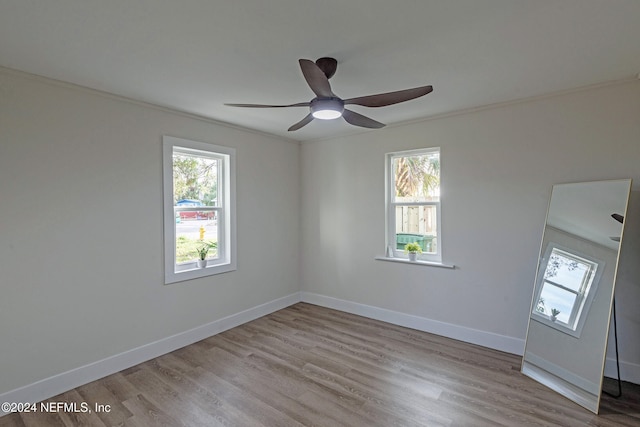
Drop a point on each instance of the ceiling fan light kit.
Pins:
(328, 106)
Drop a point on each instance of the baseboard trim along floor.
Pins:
(65, 381)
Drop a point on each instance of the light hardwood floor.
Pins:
(308, 365)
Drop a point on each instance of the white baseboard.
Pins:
(628, 371)
(461, 333)
(565, 388)
(49, 387)
(563, 375)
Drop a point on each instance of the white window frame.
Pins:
(584, 297)
(390, 240)
(225, 210)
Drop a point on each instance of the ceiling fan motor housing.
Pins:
(328, 66)
(327, 108)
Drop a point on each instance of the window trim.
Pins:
(226, 260)
(390, 214)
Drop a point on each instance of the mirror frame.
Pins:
(568, 389)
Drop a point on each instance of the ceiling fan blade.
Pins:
(357, 119)
(317, 81)
(390, 98)
(299, 104)
(301, 123)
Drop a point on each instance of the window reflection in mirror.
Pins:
(567, 286)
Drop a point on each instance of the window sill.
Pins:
(195, 273)
(420, 263)
(556, 325)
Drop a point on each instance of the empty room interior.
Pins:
(320, 213)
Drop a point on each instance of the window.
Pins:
(199, 209)
(413, 203)
(566, 289)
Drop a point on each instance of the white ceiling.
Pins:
(196, 55)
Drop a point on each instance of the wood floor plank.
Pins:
(175, 373)
(398, 405)
(170, 400)
(40, 419)
(307, 365)
(82, 414)
(118, 385)
(11, 420)
(146, 413)
(245, 402)
(112, 411)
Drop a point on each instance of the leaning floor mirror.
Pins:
(571, 307)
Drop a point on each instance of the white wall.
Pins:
(81, 263)
(498, 168)
(81, 270)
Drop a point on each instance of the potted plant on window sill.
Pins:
(413, 249)
(554, 314)
(203, 251)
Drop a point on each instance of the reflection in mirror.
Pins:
(568, 283)
(571, 306)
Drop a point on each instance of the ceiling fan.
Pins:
(620, 219)
(327, 105)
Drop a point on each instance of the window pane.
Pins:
(553, 297)
(417, 224)
(193, 230)
(566, 271)
(417, 178)
(195, 180)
